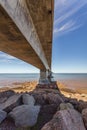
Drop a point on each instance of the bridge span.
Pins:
(26, 28)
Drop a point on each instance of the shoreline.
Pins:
(78, 93)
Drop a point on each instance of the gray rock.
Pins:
(25, 115)
(65, 120)
(28, 99)
(3, 99)
(3, 115)
(84, 116)
(64, 106)
(11, 103)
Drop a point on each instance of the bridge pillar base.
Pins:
(45, 77)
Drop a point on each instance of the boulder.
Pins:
(11, 103)
(64, 106)
(3, 99)
(3, 115)
(25, 115)
(65, 120)
(7, 93)
(28, 99)
(54, 98)
(84, 116)
(74, 102)
(81, 105)
(49, 109)
(46, 114)
(39, 98)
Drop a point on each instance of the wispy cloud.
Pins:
(5, 58)
(68, 15)
(67, 27)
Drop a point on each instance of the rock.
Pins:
(81, 105)
(7, 93)
(52, 85)
(74, 102)
(49, 109)
(39, 98)
(25, 115)
(65, 120)
(28, 99)
(46, 114)
(66, 106)
(84, 116)
(54, 98)
(3, 99)
(3, 115)
(11, 103)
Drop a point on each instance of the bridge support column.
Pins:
(45, 77)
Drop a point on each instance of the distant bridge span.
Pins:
(26, 28)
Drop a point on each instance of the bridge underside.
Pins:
(26, 30)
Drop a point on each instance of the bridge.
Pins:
(26, 28)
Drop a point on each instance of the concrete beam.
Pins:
(41, 12)
(19, 13)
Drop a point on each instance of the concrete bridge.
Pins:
(26, 28)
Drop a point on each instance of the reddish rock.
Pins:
(84, 116)
(52, 85)
(65, 120)
(47, 112)
(74, 102)
(54, 98)
(39, 99)
(81, 105)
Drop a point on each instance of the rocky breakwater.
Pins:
(42, 109)
(21, 109)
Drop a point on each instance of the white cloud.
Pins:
(67, 16)
(5, 58)
(67, 27)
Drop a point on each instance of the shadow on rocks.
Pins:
(49, 98)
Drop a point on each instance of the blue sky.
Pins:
(69, 41)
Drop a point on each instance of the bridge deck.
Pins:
(13, 41)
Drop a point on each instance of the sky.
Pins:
(69, 52)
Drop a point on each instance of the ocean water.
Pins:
(69, 79)
(8, 79)
(70, 76)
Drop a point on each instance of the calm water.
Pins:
(70, 76)
(6, 79)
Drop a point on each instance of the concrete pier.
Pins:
(44, 77)
(26, 28)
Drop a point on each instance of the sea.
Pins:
(69, 79)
